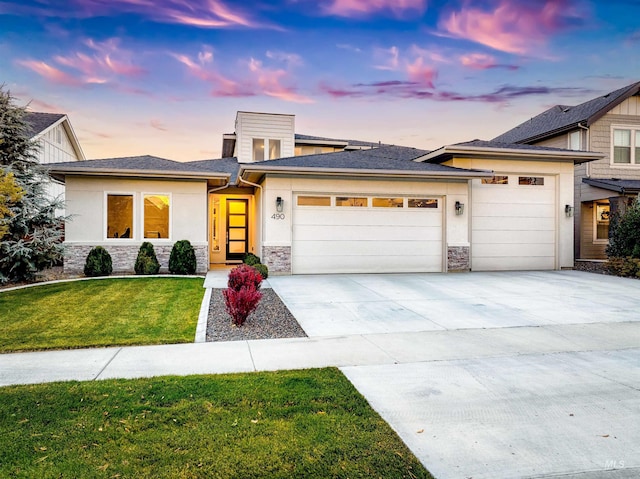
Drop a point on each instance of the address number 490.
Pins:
(278, 216)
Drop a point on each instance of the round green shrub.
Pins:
(251, 259)
(183, 258)
(262, 269)
(146, 262)
(98, 262)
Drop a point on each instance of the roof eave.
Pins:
(322, 142)
(310, 171)
(61, 173)
(604, 186)
(633, 90)
(450, 151)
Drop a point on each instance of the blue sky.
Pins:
(166, 77)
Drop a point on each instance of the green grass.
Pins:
(105, 312)
(306, 424)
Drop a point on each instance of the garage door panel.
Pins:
(514, 264)
(498, 224)
(367, 217)
(366, 264)
(522, 194)
(501, 250)
(371, 248)
(513, 210)
(514, 237)
(366, 233)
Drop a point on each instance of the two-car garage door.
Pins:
(340, 233)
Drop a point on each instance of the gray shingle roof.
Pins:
(38, 122)
(614, 184)
(507, 146)
(223, 165)
(561, 117)
(301, 138)
(390, 158)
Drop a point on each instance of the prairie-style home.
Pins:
(309, 204)
(610, 125)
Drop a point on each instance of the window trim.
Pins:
(105, 217)
(633, 146)
(575, 132)
(142, 196)
(597, 240)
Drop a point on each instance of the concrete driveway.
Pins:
(561, 400)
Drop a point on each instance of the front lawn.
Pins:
(104, 312)
(306, 424)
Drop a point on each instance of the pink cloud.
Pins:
(270, 83)
(157, 124)
(202, 14)
(421, 74)
(222, 86)
(51, 73)
(513, 27)
(351, 8)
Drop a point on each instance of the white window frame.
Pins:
(635, 162)
(147, 193)
(579, 135)
(105, 217)
(597, 240)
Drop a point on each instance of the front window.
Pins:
(601, 220)
(274, 149)
(258, 149)
(156, 216)
(119, 216)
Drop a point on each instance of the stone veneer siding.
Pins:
(124, 257)
(458, 258)
(277, 259)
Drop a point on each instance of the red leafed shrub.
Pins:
(245, 276)
(242, 296)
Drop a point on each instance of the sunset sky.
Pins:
(165, 77)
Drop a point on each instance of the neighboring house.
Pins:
(471, 206)
(609, 124)
(57, 142)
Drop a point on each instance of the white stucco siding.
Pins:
(86, 197)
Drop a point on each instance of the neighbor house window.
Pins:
(156, 216)
(388, 202)
(314, 201)
(496, 180)
(575, 140)
(351, 201)
(422, 203)
(258, 149)
(531, 180)
(622, 146)
(274, 149)
(601, 223)
(119, 216)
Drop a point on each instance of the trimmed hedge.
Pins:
(146, 262)
(98, 262)
(183, 258)
(262, 269)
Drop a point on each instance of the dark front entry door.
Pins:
(237, 229)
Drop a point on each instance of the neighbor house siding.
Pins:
(560, 141)
(587, 247)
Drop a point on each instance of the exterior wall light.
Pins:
(459, 208)
(279, 204)
(568, 210)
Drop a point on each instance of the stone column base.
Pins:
(277, 259)
(458, 258)
(124, 257)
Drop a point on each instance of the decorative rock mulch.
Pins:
(272, 319)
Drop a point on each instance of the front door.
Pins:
(237, 229)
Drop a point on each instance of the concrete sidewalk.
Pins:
(299, 353)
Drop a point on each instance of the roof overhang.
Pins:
(630, 186)
(255, 173)
(460, 151)
(321, 142)
(60, 174)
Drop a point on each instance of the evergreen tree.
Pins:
(10, 194)
(33, 240)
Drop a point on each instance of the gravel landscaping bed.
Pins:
(272, 319)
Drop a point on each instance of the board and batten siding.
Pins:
(264, 126)
(589, 249)
(626, 113)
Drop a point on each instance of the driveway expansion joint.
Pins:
(107, 364)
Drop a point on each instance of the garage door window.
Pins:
(531, 180)
(496, 180)
(422, 203)
(314, 201)
(388, 202)
(352, 201)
